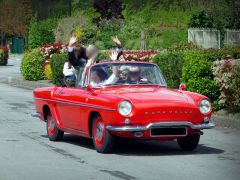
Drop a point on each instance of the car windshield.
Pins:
(114, 74)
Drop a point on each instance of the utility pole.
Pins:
(70, 7)
(143, 43)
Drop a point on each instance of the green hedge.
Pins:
(197, 71)
(32, 65)
(57, 63)
(1, 57)
(171, 67)
(194, 68)
(41, 32)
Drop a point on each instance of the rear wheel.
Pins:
(189, 143)
(54, 134)
(103, 140)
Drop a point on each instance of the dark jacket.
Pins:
(77, 61)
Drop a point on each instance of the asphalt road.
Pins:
(13, 67)
(26, 153)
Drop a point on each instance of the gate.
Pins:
(17, 45)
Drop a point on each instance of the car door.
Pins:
(70, 107)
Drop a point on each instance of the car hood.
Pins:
(154, 103)
(151, 95)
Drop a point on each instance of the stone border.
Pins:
(225, 121)
(19, 82)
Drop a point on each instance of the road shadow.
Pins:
(126, 147)
(7, 65)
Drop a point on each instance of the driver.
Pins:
(134, 74)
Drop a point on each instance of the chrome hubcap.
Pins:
(52, 123)
(99, 131)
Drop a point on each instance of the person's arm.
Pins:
(119, 47)
(114, 77)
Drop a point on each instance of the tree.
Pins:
(108, 9)
(15, 16)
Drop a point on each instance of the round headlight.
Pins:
(204, 106)
(124, 108)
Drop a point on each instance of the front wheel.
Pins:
(54, 134)
(189, 143)
(103, 140)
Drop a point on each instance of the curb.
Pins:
(225, 121)
(31, 85)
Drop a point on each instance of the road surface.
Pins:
(26, 153)
(13, 67)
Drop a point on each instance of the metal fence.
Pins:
(232, 38)
(207, 38)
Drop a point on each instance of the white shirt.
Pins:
(111, 80)
(68, 71)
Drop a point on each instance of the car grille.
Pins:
(168, 131)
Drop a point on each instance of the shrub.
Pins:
(57, 63)
(4, 55)
(106, 29)
(32, 65)
(197, 74)
(227, 77)
(66, 26)
(197, 71)
(103, 55)
(171, 66)
(183, 46)
(200, 19)
(1, 56)
(48, 71)
(41, 32)
(48, 49)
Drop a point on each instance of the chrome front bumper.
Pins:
(161, 124)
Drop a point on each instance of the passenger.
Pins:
(69, 73)
(134, 74)
(98, 77)
(119, 48)
(91, 53)
(76, 53)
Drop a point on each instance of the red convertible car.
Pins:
(123, 99)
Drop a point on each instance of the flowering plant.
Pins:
(49, 49)
(139, 55)
(227, 76)
(3, 55)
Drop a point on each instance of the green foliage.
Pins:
(200, 19)
(41, 32)
(171, 63)
(106, 29)
(1, 57)
(32, 65)
(197, 71)
(57, 63)
(183, 46)
(227, 76)
(171, 67)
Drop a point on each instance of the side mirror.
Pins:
(182, 87)
(89, 87)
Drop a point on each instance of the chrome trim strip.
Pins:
(36, 115)
(75, 104)
(161, 124)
